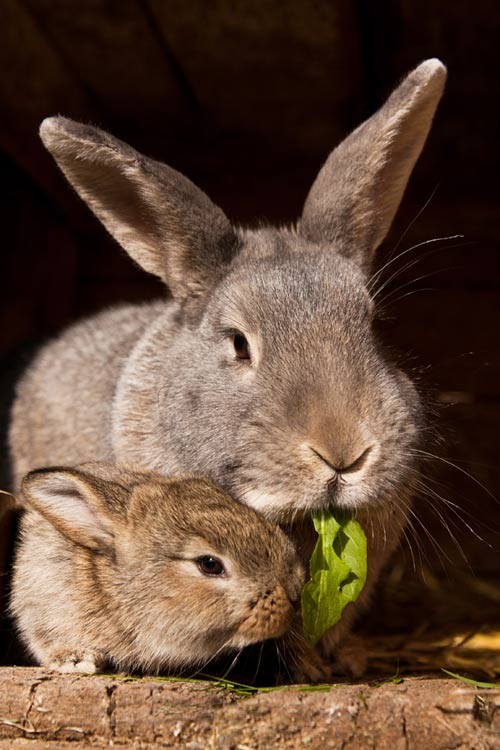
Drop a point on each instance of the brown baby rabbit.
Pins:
(124, 567)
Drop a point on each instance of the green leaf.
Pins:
(338, 573)
(472, 682)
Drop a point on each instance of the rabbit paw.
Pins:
(309, 666)
(74, 662)
(350, 657)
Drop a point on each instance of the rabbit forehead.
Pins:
(296, 282)
(175, 512)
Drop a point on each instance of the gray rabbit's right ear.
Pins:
(76, 504)
(165, 223)
(354, 199)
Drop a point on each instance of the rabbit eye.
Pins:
(241, 346)
(210, 566)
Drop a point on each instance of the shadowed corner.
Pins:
(11, 368)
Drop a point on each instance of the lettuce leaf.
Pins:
(338, 573)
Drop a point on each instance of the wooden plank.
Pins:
(38, 265)
(463, 146)
(111, 50)
(34, 83)
(285, 76)
(451, 333)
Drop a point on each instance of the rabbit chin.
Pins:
(285, 506)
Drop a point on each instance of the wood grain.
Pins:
(65, 711)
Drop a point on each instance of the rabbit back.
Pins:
(63, 407)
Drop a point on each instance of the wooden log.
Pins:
(102, 711)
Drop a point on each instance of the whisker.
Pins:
(203, 664)
(377, 274)
(408, 294)
(412, 222)
(409, 264)
(383, 301)
(446, 526)
(454, 508)
(414, 564)
(458, 468)
(255, 675)
(283, 661)
(422, 555)
(231, 666)
(279, 660)
(437, 547)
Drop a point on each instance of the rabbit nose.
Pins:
(345, 465)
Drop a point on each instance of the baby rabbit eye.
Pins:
(241, 346)
(210, 566)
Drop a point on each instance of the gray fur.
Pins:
(353, 201)
(159, 385)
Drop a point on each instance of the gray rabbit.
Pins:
(262, 372)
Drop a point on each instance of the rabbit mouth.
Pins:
(291, 495)
(270, 617)
(286, 508)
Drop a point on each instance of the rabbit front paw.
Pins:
(350, 657)
(68, 661)
(309, 666)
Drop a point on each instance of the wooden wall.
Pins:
(247, 98)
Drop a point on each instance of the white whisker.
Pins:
(458, 468)
(377, 274)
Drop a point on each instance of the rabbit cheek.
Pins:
(186, 627)
(268, 616)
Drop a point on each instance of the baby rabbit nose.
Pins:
(346, 464)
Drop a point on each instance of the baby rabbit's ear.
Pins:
(357, 192)
(74, 503)
(165, 223)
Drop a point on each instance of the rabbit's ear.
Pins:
(74, 503)
(357, 192)
(165, 223)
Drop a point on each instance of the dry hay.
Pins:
(425, 622)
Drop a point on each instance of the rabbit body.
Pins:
(108, 571)
(87, 359)
(263, 372)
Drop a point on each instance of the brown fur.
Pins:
(105, 570)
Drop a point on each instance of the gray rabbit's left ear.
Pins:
(354, 199)
(164, 222)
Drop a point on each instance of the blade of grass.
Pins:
(469, 681)
(238, 688)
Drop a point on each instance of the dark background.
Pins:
(247, 99)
